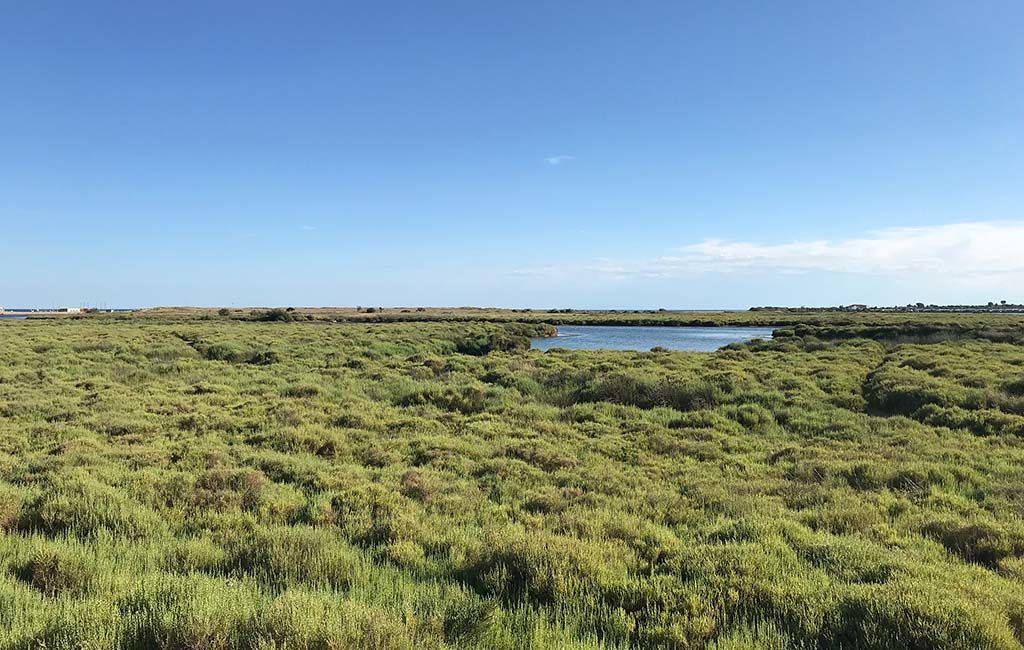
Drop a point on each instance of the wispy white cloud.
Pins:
(978, 247)
(975, 252)
(559, 160)
(307, 228)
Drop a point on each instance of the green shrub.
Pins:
(56, 572)
(982, 542)
(276, 315)
(87, 508)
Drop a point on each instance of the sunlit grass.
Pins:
(218, 483)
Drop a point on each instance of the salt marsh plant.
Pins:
(217, 482)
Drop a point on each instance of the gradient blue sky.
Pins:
(584, 154)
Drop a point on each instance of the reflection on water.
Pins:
(615, 337)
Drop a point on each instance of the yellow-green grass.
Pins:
(208, 482)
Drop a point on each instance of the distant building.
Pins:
(70, 310)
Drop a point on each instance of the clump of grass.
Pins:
(55, 572)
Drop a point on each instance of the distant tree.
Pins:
(277, 314)
(223, 311)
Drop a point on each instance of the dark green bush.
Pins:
(55, 573)
(277, 315)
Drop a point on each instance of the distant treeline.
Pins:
(910, 332)
(820, 318)
(990, 308)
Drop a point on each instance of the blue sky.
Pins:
(583, 154)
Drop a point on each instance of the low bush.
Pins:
(55, 572)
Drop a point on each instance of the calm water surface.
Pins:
(608, 337)
(12, 317)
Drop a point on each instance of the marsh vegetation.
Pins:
(217, 482)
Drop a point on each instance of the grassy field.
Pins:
(183, 479)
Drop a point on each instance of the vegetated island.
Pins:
(351, 479)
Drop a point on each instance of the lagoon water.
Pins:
(608, 337)
(12, 317)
